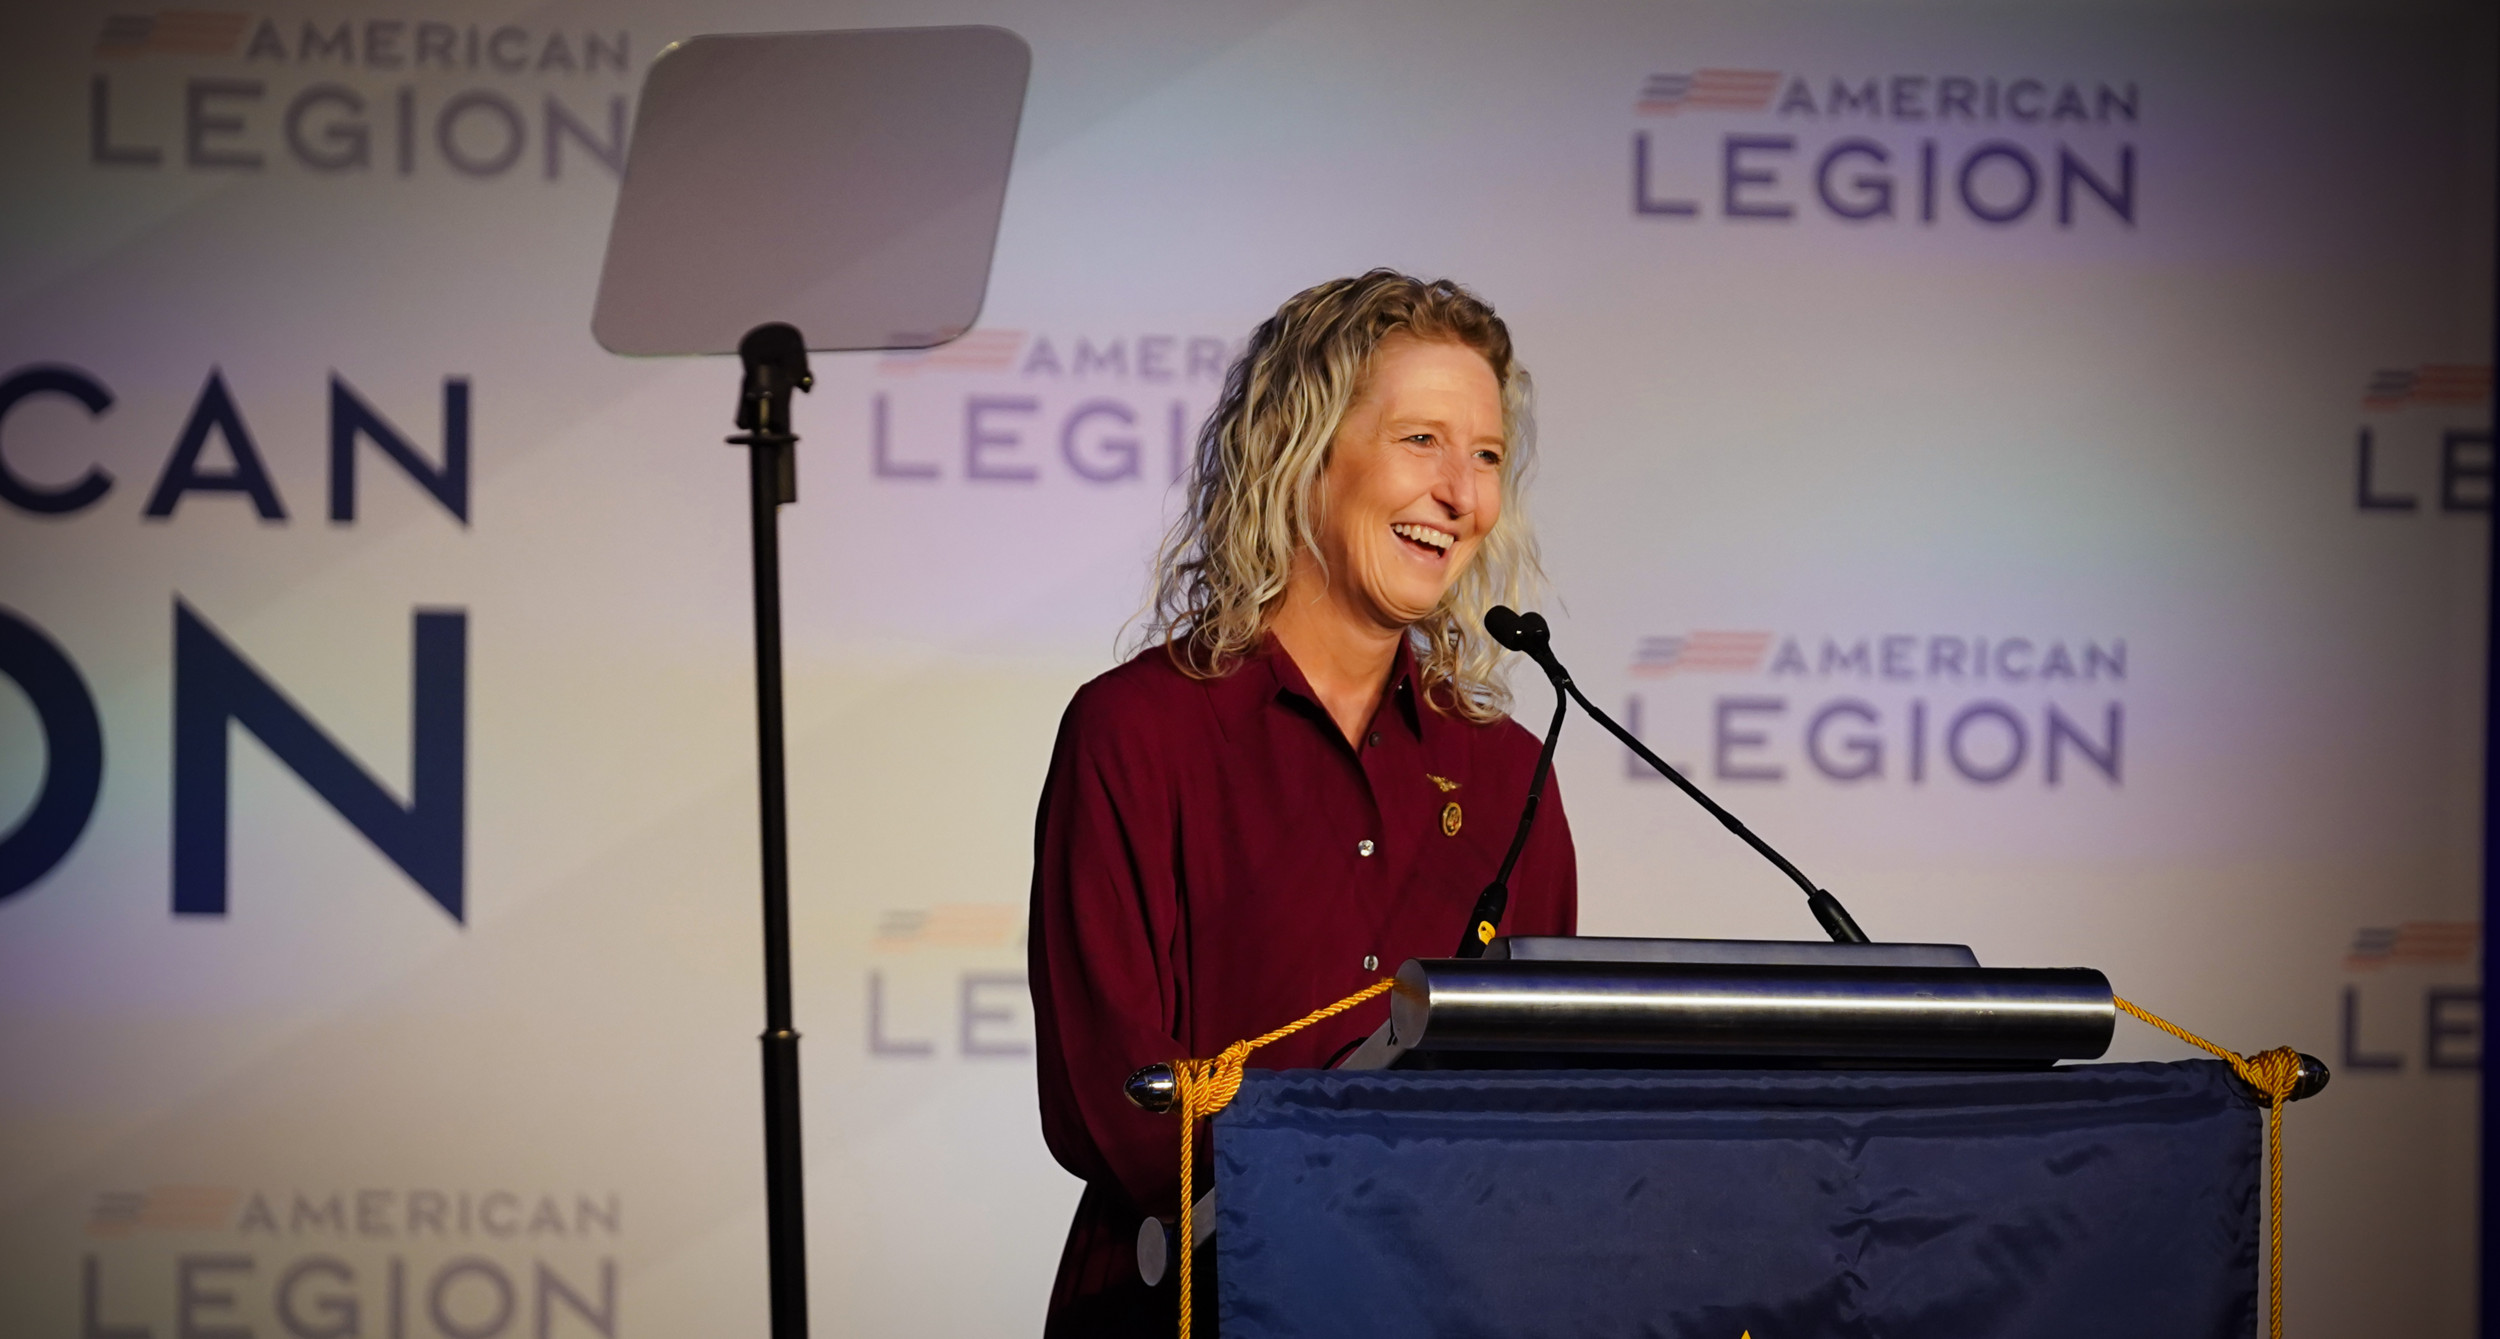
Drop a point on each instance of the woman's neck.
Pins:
(1345, 657)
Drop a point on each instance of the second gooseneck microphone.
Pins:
(1527, 634)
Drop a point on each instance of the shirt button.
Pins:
(1363, 847)
(1372, 740)
(1371, 963)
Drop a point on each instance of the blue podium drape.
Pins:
(2101, 1200)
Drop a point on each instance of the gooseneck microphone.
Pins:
(1495, 899)
(1528, 634)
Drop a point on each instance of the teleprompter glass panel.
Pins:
(848, 183)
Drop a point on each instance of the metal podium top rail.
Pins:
(1569, 1000)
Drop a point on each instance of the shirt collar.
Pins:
(1271, 673)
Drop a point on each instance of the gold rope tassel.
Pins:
(1206, 1087)
(2274, 1073)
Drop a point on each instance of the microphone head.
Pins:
(1503, 622)
(1516, 631)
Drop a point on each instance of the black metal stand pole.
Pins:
(776, 363)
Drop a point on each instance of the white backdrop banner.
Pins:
(2033, 463)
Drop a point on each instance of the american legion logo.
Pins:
(1016, 408)
(1912, 709)
(2413, 1000)
(1918, 149)
(2424, 447)
(234, 93)
(444, 1260)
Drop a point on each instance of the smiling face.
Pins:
(1414, 480)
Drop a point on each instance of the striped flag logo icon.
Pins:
(118, 1213)
(2431, 383)
(975, 351)
(172, 32)
(1719, 652)
(2375, 946)
(1708, 90)
(954, 925)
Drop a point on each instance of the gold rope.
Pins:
(2274, 1073)
(1206, 1087)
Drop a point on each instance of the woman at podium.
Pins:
(1307, 774)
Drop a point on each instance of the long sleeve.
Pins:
(1105, 911)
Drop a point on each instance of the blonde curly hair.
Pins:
(1256, 486)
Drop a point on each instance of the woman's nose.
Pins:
(1454, 485)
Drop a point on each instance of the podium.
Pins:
(2094, 1200)
(1735, 1138)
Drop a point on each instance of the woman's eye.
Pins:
(1490, 457)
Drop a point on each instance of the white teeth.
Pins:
(1424, 534)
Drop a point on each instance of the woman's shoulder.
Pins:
(1140, 702)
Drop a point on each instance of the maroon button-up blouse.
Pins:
(1212, 860)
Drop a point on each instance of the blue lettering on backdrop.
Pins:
(351, 417)
(198, 126)
(2018, 742)
(2464, 485)
(1734, 175)
(561, 125)
(215, 411)
(980, 440)
(2017, 106)
(880, 447)
(437, 1297)
(2120, 198)
(448, 140)
(192, 1296)
(2444, 1025)
(1109, 360)
(1849, 740)
(1918, 741)
(1642, 201)
(90, 487)
(100, 146)
(325, 128)
(1863, 100)
(73, 744)
(215, 685)
(1999, 182)
(878, 1042)
(1125, 461)
(333, 1310)
(2452, 1033)
(316, 1297)
(1728, 739)
(1873, 190)
(1982, 210)
(976, 1014)
(347, 143)
(2063, 732)
(986, 1020)
(1866, 750)
(2366, 496)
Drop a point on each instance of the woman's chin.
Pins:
(1406, 608)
